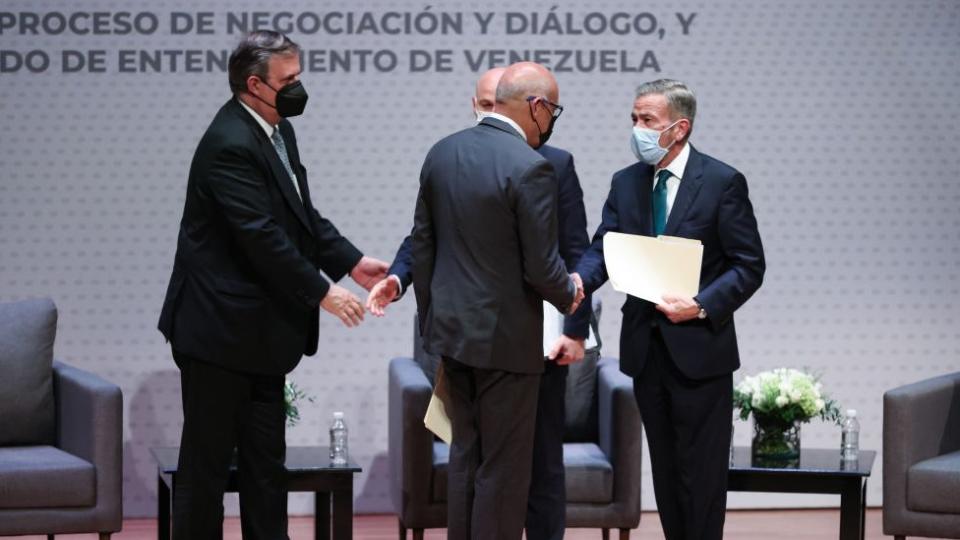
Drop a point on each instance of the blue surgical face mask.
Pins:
(645, 143)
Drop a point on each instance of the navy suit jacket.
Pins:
(712, 205)
(571, 234)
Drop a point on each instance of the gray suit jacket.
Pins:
(485, 249)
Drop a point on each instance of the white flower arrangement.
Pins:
(784, 395)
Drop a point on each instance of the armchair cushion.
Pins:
(589, 474)
(580, 399)
(933, 484)
(27, 331)
(45, 477)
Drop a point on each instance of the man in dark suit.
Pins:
(546, 502)
(484, 258)
(682, 352)
(243, 301)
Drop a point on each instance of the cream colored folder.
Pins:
(648, 267)
(437, 420)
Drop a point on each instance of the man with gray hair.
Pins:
(484, 258)
(682, 352)
(243, 302)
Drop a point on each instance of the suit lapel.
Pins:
(280, 176)
(689, 187)
(644, 198)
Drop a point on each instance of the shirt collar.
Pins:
(267, 128)
(678, 165)
(507, 120)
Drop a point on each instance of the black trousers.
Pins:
(546, 503)
(223, 410)
(493, 415)
(688, 432)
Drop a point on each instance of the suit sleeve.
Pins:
(403, 263)
(573, 241)
(535, 205)
(423, 246)
(592, 268)
(741, 245)
(336, 255)
(239, 190)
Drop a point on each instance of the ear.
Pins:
(253, 82)
(684, 126)
(473, 100)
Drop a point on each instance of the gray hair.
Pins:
(681, 101)
(252, 56)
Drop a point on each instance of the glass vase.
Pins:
(776, 443)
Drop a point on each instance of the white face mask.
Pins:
(645, 144)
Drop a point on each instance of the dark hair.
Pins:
(252, 55)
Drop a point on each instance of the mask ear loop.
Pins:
(534, 117)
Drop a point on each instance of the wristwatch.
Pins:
(703, 313)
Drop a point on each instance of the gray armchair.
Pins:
(921, 459)
(60, 434)
(601, 455)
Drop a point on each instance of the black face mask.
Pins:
(544, 135)
(291, 99)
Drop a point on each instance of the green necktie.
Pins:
(660, 203)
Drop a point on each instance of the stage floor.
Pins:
(741, 525)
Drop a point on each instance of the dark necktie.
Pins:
(282, 152)
(660, 203)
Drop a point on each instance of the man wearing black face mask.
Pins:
(484, 259)
(243, 302)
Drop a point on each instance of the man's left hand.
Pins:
(566, 350)
(679, 308)
(369, 271)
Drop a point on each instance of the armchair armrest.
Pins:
(620, 431)
(410, 443)
(90, 426)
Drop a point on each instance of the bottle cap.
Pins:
(851, 413)
(338, 415)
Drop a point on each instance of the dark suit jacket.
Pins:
(485, 249)
(712, 205)
(245, 287)
(572, 234)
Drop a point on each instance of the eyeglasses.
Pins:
(557, 108)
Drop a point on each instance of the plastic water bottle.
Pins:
(339, 453)
(850, 437)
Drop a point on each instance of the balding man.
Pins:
(484, 257)
(546, 505)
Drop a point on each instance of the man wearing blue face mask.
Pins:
(682, 352)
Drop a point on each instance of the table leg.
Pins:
(343, 514)
(321, 516)
(851, 510)
(863, 511)
(163, 509)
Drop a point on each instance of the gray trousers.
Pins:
(493, 415)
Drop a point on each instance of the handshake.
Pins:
(342, 303)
